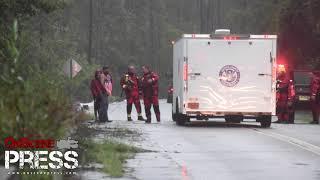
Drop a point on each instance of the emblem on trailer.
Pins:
(229, 76)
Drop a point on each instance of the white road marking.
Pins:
(297, 142)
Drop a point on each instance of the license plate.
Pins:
(193, 105)
(304, 98)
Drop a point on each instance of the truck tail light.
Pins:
(185, 72)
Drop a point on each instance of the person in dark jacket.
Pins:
(150, 90)
(130, 85)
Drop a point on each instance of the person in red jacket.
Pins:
(130, 85)
(285, 96)
(150, 90)
(100, 91)
(106, 72)
(315, 104)
(95, 93)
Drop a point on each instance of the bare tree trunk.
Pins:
(40, 30)
(151, 28)
(219, 16)
(99, 32)
(202, 16)
(90, 31)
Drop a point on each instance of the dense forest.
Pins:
(122, 32)
(38, 36)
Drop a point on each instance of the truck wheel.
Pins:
(265, 121)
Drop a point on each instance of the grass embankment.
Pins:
(112, 155)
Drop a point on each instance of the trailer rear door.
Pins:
(230, 76)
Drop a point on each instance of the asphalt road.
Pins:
(215, 150)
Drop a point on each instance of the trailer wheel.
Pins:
(179, 118)
(174, 117)
(265, 121)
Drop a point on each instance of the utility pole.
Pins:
(90, 31)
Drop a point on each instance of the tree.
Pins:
(299, 32)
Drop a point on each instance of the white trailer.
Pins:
(228, 76)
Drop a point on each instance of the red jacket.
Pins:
(285, 89)
(96, 88)
(150, 85)
(130, 84)
(315, 85)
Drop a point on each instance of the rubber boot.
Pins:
(140, 118)
(129, 118)
(158, 117)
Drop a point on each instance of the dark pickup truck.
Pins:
(302, 81)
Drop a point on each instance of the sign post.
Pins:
(71, 68)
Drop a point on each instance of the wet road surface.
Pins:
(215, 150)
